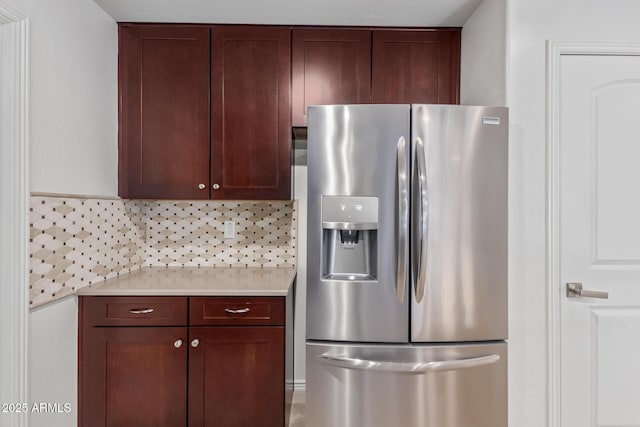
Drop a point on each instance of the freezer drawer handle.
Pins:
(411, 367)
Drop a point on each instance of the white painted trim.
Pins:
(554, 291)
(299, 385)
(14, 210)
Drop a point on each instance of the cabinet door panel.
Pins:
(236, 377)
(416, 67)
(251, 131)
(329, 66)
(133, 377)
(164, 111)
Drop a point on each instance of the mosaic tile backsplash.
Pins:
(78, 241)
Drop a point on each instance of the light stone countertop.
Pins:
(192, 281)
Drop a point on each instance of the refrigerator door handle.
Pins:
(423, 228)
(403, 220)
(408, 367)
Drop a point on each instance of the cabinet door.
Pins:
(164, 111)
(251, 130)
(132, 376)
(329, 66)
(416, 67)
(236, 377)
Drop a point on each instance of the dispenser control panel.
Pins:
(350, 212)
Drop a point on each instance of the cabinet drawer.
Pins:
(135, 311)
(236, 311)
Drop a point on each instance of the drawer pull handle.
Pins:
(177, 344)
(239, 311)
(195, 343)
(141, 310)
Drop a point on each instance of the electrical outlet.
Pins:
(229, 230)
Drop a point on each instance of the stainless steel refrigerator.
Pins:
(407, 266)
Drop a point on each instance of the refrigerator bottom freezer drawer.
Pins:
(357, 385)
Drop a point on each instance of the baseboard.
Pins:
(299, 386)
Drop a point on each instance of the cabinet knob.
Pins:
(177, 344)
(202, 186)
(195, 343)
(215, 186)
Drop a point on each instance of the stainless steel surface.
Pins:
(465, 283)
(442, 231)
(141, 310)
(350, 213)
(177, 343)
(410, 367)
(421, 203)
(402, 232)
(216, 186)
(345, 397)
(201, 186)
(195, 343)
(350, 154)
(238, 311)
(574, 290)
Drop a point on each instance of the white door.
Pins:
(599, 172)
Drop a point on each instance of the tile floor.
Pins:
(297, 415)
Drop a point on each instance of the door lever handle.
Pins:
(574, 290)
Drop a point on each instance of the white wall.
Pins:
(531, 23)
(74, 118)
(73, 146)
(53, 362)
(483, 70)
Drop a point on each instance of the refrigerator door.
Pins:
(358, 223)
(426, 386)
(459, 223)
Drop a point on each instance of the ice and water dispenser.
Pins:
(349, 238)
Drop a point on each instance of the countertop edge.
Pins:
(285, 276)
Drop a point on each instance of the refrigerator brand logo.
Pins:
(491, 120)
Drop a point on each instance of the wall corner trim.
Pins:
(14, 199)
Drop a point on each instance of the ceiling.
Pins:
(410, 13)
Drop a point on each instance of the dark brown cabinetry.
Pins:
(329, 66)
(164, 111)
(204, 112)
(251, 126)
(416, 66)
(178, 361)
(383, 66)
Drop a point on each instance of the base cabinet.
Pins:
(182, 361)
(236, 367)
(138, 377)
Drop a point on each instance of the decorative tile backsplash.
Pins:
(78, 241)
(192, 234)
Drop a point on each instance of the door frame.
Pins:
(555, 51)
(14, 209)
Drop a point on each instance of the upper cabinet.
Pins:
(204, 112)
(164, 111)
(329, 66)
(416, 66)
(383, 66)
(250, 102)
